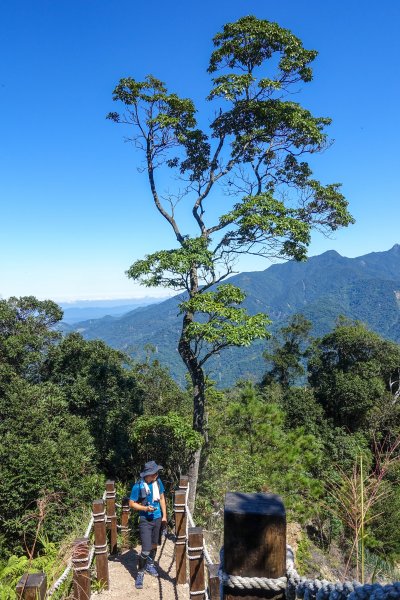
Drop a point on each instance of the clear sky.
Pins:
(75, 213)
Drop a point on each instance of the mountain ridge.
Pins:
(322, 288)
(75, 312)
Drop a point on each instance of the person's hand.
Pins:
(164, 522)
(150, 508)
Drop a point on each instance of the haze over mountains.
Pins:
(80, 310)
(366, 288)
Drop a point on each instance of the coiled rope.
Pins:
(294, 586)
(250, 583)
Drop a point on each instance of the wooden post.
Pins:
(180, 534)
(125, 522)
(213, 582)
(183, 482)
(81, 569)
(32, 587)
(196, 563)
(254, 540)
(183, 486)
(111, 516)
(100, 543)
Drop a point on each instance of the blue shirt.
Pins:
(138, 494)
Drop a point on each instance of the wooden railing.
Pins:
(256, 562)
(254, 546)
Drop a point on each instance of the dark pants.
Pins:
(149, 530)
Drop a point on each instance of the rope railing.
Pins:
(295, 586)
(252, 517)
(192, 524)
(190, 545)
(248, 519)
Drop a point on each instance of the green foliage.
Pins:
(170, 268)
(26, 332)
(247, 43)
(100, 388)
(286, 356)
(10, 574)
(159, 391)
(173, 112)
(303, 555)
(382, 569)
(382, 532)
(250, 450)
(45, 453)
(246, 416)
(263, 216)
(302, 410)
(47, 561)
(170, 438)
(350, 371)
(225, 324)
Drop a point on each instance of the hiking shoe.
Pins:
(151, 570)
(139, 580)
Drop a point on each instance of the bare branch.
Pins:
(156, 199)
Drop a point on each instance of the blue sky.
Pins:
(75, 213)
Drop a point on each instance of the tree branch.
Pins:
(160, 208)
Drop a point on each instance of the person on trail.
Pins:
(147, 497)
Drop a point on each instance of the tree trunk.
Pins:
(198, 381)
(193, 477)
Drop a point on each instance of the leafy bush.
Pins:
(169, 439)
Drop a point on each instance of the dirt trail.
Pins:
(123, 571)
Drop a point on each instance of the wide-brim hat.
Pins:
(150, 468)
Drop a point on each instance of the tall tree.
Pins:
(288, 352)
(99, 387)
(26, 333)
(249, 162)
(350, 370)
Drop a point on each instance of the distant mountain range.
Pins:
(82, 310)
(366, 288)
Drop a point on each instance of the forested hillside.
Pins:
(322, 288)
(74, 412)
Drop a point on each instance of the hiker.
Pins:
(147, 497)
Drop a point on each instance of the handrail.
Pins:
(206, 554)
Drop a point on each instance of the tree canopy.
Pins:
(350, 370)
